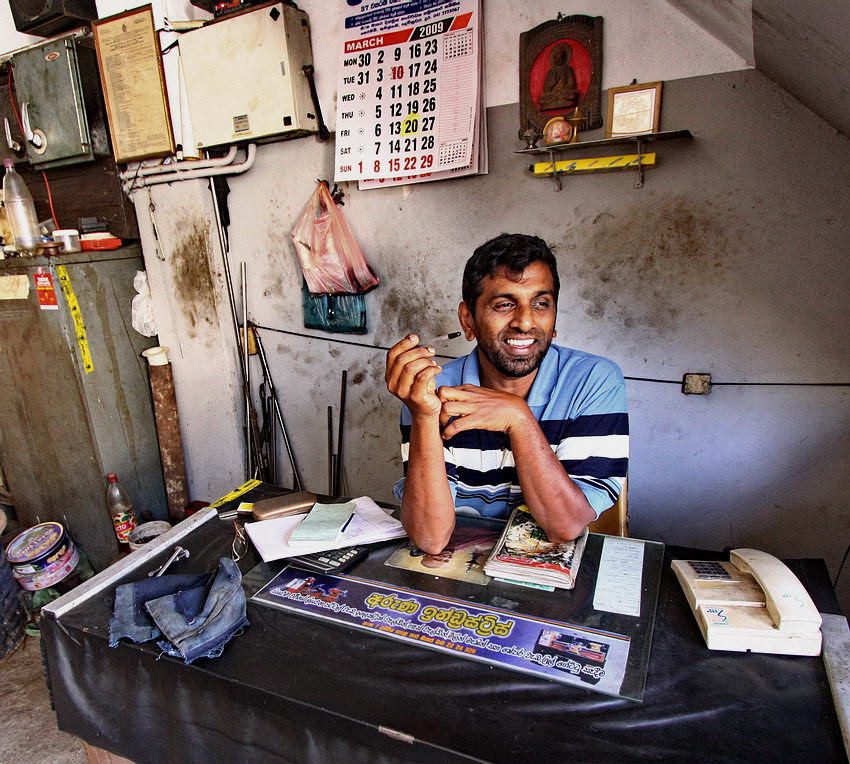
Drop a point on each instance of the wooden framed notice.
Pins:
(633, 110)
(130, 62)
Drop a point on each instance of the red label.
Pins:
(44, 290)
(124, 523)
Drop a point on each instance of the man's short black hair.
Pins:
(512, 251)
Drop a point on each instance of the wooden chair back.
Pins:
(614, 521)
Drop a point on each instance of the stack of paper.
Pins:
(366, 523)
(325, 524)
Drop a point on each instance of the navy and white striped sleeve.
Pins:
(594, 445)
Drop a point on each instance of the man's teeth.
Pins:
(520, 343)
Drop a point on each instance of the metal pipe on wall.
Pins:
(267, 375)
(168, 432)
(181, 166)
(173, 177)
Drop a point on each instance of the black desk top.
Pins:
(296, 689)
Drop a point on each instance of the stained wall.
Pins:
(728, 261)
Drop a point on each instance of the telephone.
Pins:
(753, 602)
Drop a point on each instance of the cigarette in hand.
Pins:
(442, 338)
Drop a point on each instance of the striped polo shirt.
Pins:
(578, 399)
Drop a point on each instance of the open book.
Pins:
(524, 553)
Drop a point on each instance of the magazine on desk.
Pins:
(524, 553)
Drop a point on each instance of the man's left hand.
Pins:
(479, 408)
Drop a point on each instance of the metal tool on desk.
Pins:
(178, 554)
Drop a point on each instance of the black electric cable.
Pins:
(841, 567)
(633, 379)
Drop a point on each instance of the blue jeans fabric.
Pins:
(197, 614)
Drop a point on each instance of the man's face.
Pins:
(514, 320)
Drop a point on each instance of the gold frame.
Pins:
(137, 106)
(652, 91)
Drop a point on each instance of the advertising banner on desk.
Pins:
(562, 652)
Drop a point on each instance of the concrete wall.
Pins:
(728, 261)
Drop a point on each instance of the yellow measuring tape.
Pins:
(77, 316)
(244, 488)
(599, 164)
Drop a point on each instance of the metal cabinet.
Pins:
(58, 94)
(66, 421)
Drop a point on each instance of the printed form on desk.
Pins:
(368, 525)
(619, 582)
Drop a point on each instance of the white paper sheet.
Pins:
(369, 525)
(619, 583)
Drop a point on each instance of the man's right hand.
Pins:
(410, 377)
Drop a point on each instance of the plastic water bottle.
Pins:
(20, 210)
(120, 508)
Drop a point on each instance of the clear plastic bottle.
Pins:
(120, 508)
(20, 210)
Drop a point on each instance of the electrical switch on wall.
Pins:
(696, 384)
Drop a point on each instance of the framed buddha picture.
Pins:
(561, 71)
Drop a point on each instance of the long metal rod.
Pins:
(249, 439)
(340, 427)
(261, 351)
(234, 314)
(331, 464)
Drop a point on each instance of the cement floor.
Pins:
(28, 731)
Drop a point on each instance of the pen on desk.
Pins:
(441, 338)
(346, 523)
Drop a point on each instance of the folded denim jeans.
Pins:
(197, 614)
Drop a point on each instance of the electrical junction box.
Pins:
(244, 79)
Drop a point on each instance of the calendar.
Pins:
(408, 100)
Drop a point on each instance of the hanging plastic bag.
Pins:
(342, 313)
(331, 259)
(141, 308)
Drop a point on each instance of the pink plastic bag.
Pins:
(331, 259)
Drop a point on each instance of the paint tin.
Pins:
(146, 532)
(42, 556)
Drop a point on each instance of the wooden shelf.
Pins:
(636, 162)
(667, 135)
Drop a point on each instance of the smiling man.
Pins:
(518, 420)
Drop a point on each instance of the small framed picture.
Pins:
(633, 110)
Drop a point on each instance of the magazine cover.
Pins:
(462, 559)
(524, 543)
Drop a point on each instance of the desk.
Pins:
(293, 689)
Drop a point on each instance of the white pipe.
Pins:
(79, 34)
(233, 169)
(189, 164)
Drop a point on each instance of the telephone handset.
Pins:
(753, 602)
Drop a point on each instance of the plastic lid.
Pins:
(157, 356)
(112, 477)
(9, 162)
(65, 232)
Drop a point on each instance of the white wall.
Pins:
(728, 261)
(646, 40)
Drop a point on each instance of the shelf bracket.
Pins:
(555, 175)
(639, 181)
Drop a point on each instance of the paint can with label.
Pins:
(42, 556)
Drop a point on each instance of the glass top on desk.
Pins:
(562, 635)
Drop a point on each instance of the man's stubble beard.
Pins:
(510, 366)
